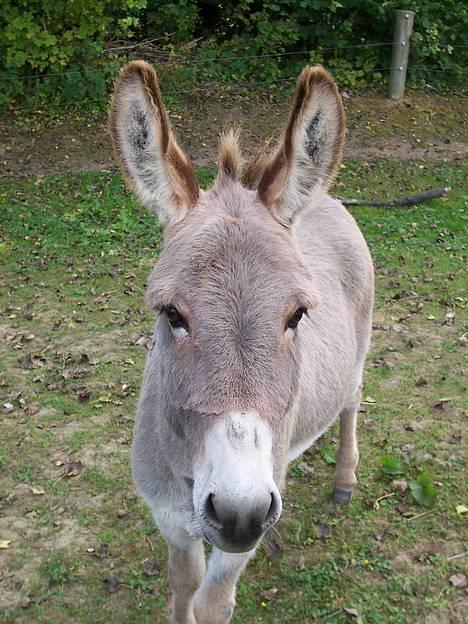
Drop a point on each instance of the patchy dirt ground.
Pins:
(77, 545)
(420, 126)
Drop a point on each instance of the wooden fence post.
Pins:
(401, 42)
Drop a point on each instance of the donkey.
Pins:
(264, 294)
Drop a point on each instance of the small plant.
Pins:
(58, 570)
(392, 466)
(423, 490)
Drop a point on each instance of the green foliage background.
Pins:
(65, 51)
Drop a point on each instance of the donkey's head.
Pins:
(232, 292)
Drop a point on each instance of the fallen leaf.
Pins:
(458, 580)
(28, 362)
(112, 584)
(152, 567)
(83, 394)
(72, 469)
(270, 594)
(144, 340)
(102, 551)
(399, 485)
(461, 509)
(4, 544)
(38, 491)
(303, 467)
(104, 399)
(449, 317)
(353, 612)
(32, 409)
(322, 530)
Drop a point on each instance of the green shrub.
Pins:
(46, 38)
(63, 40)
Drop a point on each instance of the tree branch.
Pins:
(403, 201)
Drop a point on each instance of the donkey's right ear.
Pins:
(145, 147)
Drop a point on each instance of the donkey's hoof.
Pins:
(342, 496)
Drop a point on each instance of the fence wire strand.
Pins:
(207, 89)
(217, 59)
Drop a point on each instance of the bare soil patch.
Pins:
(419, 127)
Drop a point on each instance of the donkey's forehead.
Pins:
(229, 243)
(230, 229)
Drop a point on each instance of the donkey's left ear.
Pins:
(307, 158)
(145, 146)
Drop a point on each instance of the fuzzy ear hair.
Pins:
(307, 158)
(145, 147)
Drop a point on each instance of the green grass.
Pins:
(75, 252)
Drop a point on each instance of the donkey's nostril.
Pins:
(210, 512)
(273, 511)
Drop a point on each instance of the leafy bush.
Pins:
(48, 37)
(63, 41)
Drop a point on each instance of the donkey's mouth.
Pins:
(230, 546)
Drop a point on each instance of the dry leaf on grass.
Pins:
(72, 469)
(322, 530)
(112, 584)
(458, 581)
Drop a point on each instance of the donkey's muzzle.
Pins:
(239, 525)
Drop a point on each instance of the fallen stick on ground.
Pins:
(403, 201)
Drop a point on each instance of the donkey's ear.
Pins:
(145, 146)
(306, 160)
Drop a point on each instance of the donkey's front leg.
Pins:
(348, 455)
(214, 601)
(186, 572)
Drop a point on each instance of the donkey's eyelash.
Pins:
(175, 318)
(293, 320)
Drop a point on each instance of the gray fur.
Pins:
(237, 275)
(313, 141)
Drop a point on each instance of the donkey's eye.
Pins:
(176, 319)
(295, 318)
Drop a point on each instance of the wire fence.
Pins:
(215, 59)
(171, 60)
(200, 61)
